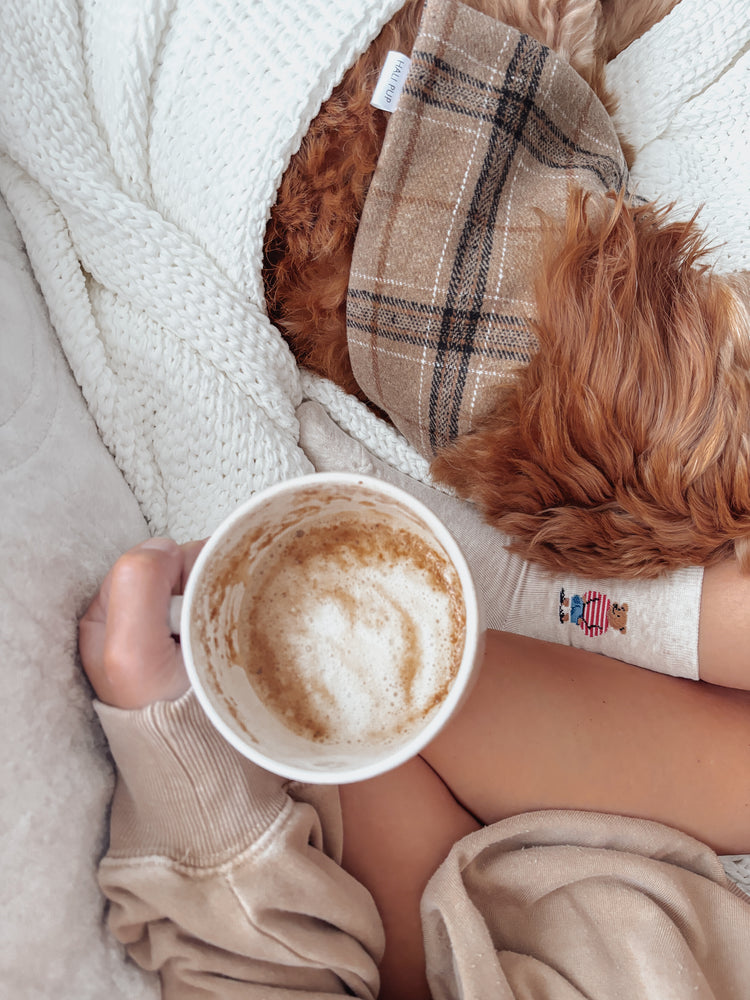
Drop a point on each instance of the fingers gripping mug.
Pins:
(330, 627)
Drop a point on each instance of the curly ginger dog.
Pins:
(628, 411)
(616, 449)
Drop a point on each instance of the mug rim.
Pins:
(460, 685)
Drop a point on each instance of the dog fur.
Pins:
(628, 410)
(617, 450)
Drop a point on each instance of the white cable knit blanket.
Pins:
(684, 101)
(140, 148)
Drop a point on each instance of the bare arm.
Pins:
(724, 635)
(547, 726)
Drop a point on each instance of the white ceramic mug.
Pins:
(330, 627)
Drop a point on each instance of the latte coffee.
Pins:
(352, 629)
(330, 627)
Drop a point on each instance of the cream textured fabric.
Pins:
(141, 146)
(683, 92)
(569, 905)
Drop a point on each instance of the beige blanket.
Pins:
(573, 905)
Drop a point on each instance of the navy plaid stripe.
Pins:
(496, 337)
(468, 280)
(437, 83)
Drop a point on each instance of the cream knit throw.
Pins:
(684, 102)
(141, 145)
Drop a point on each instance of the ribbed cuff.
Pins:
(183, 792)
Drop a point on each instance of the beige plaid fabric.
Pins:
(492, 129)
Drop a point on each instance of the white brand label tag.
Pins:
(391, 81)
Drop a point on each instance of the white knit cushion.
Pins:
(684, 93)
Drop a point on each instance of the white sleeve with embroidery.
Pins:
(650, 623)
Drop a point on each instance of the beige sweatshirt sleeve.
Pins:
(224, 878)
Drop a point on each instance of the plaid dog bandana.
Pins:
(492, 129)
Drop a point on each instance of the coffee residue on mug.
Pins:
(352, 629)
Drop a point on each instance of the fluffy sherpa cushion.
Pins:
(65, 515)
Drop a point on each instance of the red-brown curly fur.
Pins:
(310, 237)
(618, 450)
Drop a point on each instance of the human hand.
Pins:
(124, 638)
